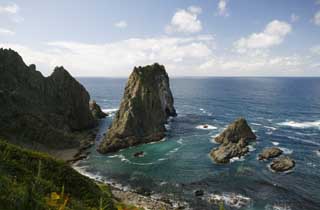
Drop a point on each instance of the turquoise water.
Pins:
(281, 111)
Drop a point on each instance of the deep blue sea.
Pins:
(282, 111)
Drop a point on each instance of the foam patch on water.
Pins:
(270, 128)
(275, 143)
(230, 199)
(269, 132)
(255, 124)
(301, 125)
(110, 110)
(318, 153)
(251, 148)
(286, 150)
(126, 160)
(278, 207)
(206, 127)
(237, 159)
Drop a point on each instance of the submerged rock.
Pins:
(37, 111)
(199, 193)
(269, 153)
(138, 154)
(96, 111)
(282, 164)
(145, 108)
(234, 141)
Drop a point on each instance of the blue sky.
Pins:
(191, 38)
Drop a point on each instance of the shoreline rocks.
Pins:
(233, 141)
(282, 164)
(269, 153)
(144, 110)
(96, 111)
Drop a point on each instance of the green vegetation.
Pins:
(33, 180)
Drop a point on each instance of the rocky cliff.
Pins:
(40, 111)
(145, 108)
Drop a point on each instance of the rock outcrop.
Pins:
(40, 111)
(96, 111)
(234, 141)
(145, 108)
(269, 153)
(282, 164)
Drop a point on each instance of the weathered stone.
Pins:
(96, 111)
(282, 164)
(235, 131)
(138, 154)
(234, 141)
(199, 193)
(40, 111)
(269, 153)
(145, 108)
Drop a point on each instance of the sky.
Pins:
(190, 37)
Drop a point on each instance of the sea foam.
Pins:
(208, 127)
(301, 125)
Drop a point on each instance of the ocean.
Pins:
(283, 112)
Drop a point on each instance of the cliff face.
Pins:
(145, 107)
(39, 110)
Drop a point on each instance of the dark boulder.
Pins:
(282, 164)
(269, 153)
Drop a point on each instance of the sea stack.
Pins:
(234, 141)
(145, 108)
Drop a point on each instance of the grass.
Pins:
(33, 180)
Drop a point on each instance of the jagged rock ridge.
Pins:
(234, 141)
(37, 110)
(145, 108)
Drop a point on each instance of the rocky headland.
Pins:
(48, 114)
(233, 141)
(145, 108)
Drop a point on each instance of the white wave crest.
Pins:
(301, 125)
(110, 110)
(275, 143)
(286, 150)
(270, 128)
(206, 127)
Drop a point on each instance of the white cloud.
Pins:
(185, 21)
(9, 8)
(222, 8)
(315, 49)
(273, 34)
(121, 24)
(294, 18)
(316, 18)
(7, 32)
(118, 58)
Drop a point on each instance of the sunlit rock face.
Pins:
(145, 108)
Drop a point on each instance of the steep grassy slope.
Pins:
(33, 180)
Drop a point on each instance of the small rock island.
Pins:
(144, 110)
(233, 141)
